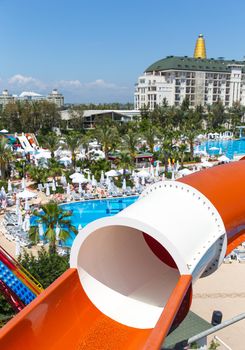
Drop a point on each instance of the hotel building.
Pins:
(203, 81)
(30, 96)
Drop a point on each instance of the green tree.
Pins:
(191, 127)
(216, 116)
(6, 156)
(125, 162)
(130, 141)
(45, 267)
(181, 150)
(73, 141)
(51, 141)
(150, 135)
(38, 174)
(107, 135)
(235, 114)
(51, 216)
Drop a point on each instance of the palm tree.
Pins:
(51, 142)
(125, 162)
(107, 135)
(51, 216)
(73, 141)
(130, 142)
(6, 156)
(38, 174)
(150, 136)
(182, 148)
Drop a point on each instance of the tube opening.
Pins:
(127, 274)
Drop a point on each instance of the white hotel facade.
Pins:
(203, 81)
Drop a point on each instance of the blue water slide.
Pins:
(16, 285)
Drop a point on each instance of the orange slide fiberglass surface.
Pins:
(62, 317)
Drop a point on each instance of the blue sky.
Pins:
(94, 50)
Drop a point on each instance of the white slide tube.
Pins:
(129, 264)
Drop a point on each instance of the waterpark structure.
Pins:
(131, 275)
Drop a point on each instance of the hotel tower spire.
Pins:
(200, 49)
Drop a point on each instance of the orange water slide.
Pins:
(64, 317)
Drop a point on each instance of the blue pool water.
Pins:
(228, 147)
(85, 212)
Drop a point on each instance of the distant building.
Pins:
(89, 117)
(203, 81)
(6, 98)
(30, 96)
(54, 97)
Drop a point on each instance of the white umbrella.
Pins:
(79, 187)
(152, 170)
(224, 159)
(177, 165)
(26, 194)
(65, 159)
(63, 180)
(20, 219)
(57, 231)
(17, 208)
(206, 164)
(53, 186)
(4, 131)
(79, 178)
(26, 224)
(157, 169)
(72, 176)
(43, 154)
(40, 229)
(124, 185)
(47, 191)
(3, 193)
(112, 173)
(124, 171)
(89, 177)
(143, 180)
(143, 173)
(93, 182)
(27, 206)
(68, 189)
(23, 183)
(108, 181)
(17, 247)
(102, 177)
(9, 186)
(136, 182)
(184, 172)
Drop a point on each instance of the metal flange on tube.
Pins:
(130, 263)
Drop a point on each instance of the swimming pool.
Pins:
(85, 212)
(228, 147)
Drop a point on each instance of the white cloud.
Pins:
(74, 90)
(69, 84)
(100, 83)
(25, 81)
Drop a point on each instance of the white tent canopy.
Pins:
(26, 194)
(184, 172)
(143, 173)
(112, 173)
(224, 159)
(206, 164)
